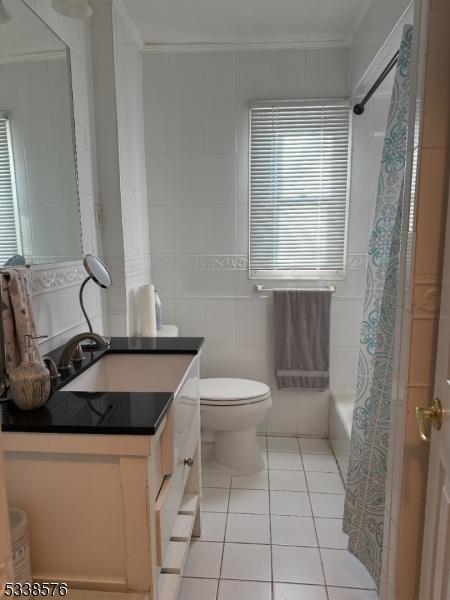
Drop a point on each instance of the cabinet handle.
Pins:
(189, 462)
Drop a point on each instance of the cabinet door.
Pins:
(6, 573)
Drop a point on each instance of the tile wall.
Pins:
(108, 166)
(196, 127)
(121, 161)
(131, 143)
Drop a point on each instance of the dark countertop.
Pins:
(109, 413)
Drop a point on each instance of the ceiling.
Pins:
(246, 21)
(26, 34)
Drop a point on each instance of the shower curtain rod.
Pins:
(358, 109)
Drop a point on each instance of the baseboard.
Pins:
(83, 583)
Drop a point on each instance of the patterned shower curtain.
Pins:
(366, 482)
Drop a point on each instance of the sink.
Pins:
(132, 373)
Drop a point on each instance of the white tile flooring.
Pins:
(276, 535)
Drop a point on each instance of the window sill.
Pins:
(298, 275)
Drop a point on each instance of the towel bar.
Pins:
(328, 288)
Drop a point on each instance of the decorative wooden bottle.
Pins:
(30, 381)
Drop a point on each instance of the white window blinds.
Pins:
(9, 226)
(299, 173)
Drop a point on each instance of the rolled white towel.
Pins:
(147, 311)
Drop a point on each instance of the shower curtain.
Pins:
(366, 480)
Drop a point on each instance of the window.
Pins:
(299, 174)
(9, 223)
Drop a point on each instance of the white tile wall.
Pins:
(104, 76)
(118, 87)
(132, 169)
(197, 175)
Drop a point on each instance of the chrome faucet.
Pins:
(74, 345)
(51, 367)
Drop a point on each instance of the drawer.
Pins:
(182, 530)
(171, 494)
(168, 586)
(189, 504)
(175, 557)
(184, 409)
(156, 468)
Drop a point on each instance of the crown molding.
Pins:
(123, 11)
(34, 56)
(305, 42)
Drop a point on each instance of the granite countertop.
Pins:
(109, 413)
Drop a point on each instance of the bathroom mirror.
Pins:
(39, 203)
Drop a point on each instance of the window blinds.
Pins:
(299, 172)
(9, 229)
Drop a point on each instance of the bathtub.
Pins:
(340, 426)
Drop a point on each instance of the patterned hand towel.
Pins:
(17, 314)
(301, 323)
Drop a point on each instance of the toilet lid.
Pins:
(225, 389)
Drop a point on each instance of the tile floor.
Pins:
(276, 535)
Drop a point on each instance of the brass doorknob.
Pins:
(433, 414)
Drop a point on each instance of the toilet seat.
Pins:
(225, 391)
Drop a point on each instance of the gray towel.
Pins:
(301, 321)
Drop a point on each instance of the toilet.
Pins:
(231, 409)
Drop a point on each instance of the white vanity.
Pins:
(113, 511)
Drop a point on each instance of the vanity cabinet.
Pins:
(112, 512)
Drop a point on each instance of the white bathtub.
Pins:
(340, 426)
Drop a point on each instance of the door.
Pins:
(5, 546)
(435, 425)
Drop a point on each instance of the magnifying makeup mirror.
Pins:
(98, 273)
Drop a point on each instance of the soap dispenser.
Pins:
(30, 381)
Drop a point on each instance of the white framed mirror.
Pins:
(39, 199)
